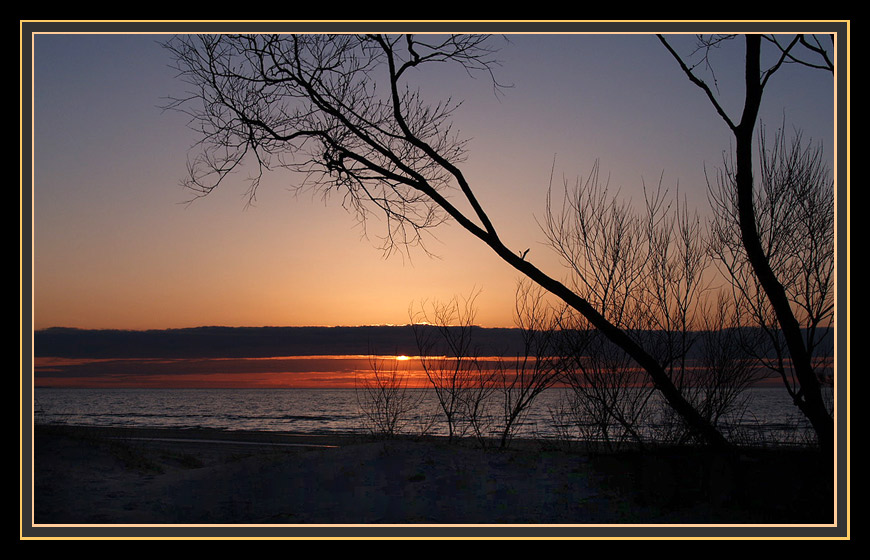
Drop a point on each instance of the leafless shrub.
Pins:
(533, 370)
(794, 210)
(772, 227)
(384, 398)
(450, 360)
(645, 270)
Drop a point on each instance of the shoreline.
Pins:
(207, 435)
(105, 476)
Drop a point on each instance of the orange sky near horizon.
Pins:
(301, 372)
(337, 372)
(115, 247)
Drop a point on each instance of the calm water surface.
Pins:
(771, 415)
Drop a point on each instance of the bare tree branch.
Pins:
(809, 395)
(312, 104)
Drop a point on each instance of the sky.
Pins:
(117, 247)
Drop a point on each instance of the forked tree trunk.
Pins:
(812, 404)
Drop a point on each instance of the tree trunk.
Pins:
(809, 397)
(696, 423)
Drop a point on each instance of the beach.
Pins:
(114, 476)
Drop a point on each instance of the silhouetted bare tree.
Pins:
(339, 109)
(384, 398)
(449, 357)
(645, 271)
(813, 52)
(723, 370)
(610, 400)
(794, 201)
(467, 385)
(534, 370)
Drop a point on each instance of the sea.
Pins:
(769, 418)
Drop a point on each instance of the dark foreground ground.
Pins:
(132, 476)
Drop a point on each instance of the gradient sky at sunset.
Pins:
(115, 247)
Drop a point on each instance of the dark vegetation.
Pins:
(750, 485)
